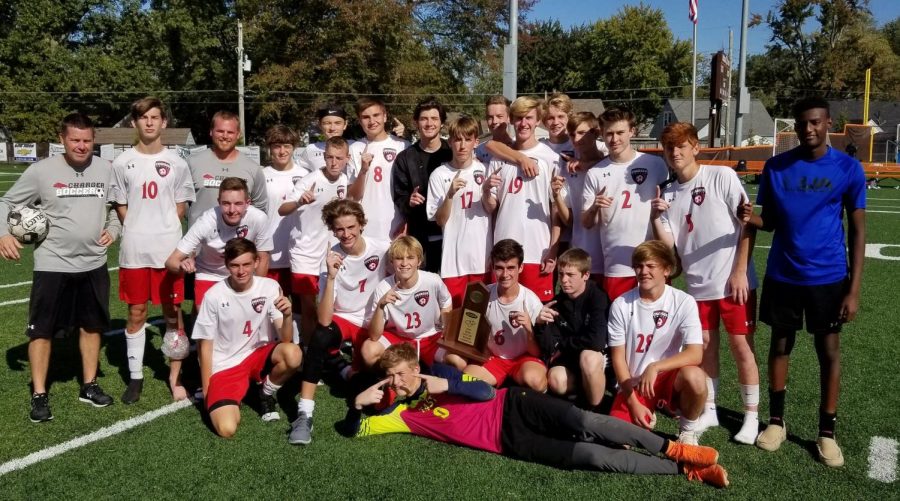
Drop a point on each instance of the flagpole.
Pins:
(694, 79)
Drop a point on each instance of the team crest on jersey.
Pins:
(341, 191)
(660, 317)
(479, 177)
(698, 195)
(241, 231)
(422, 297)
(257, 303)
(163, 168)
(389, 154)
(639, 175)
(372, 262)
(514, 320)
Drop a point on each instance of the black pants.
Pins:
(547, 430)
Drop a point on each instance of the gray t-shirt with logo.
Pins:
(208, 172)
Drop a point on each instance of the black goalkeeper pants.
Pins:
(547, 430)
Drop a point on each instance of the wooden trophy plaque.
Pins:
(468, 332)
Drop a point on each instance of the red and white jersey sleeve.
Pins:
(466, 243)
(238, 322)
(279, 184)
(313, 236)
(209, 234)
(417, 314)
(523, 211)
(582, 238)
(357, 279)
(702, 219)
(632, 186)
(151, 186)
(653, 331)
(378, 196)
(508, 338)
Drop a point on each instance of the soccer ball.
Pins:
(28, 224)
(176, 345)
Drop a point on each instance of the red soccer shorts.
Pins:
(616, 286)
(426, 347)
(157, 285)
(502, 368)
(539, 283)
(229, 386)
(663, 389)
(457, 286)
(200, 288)
(283, 277)
(739, 319)
(304, 285)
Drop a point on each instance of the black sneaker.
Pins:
(133, 392)
(40, 408)
(268, 407)
(91, 393)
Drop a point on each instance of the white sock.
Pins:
(134, 348)
(749, 430)
(689, 425)
(306, 405)
(750, 395)
(712, 388)
(269, 388)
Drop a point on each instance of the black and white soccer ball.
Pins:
(28, 224)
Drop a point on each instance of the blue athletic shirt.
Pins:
(807, 199)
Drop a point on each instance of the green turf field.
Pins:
(177, 456)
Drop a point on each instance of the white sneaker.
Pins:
(689, 437)
(749, 431)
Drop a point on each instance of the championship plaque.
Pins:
(468, 329)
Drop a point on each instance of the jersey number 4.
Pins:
(247, 328)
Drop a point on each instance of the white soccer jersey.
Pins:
(279, 184)
(467, 233)
(356, 280)
(378, 196)
(208, 236)
(632, 186)
(238, 322)
(417, 314)
(582, 238)
(508, 339)
(523, 211)
(311, 243)
(702, 219)
(653, 331)
(151, 186)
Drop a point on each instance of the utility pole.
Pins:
(727, 103)
(243, 65)
(743, 100)
(511, 53)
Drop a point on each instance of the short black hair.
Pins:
(507, 249)
(77, 121)
(237, 247)
(810, 103)
(430, 104)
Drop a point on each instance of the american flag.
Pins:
(692, 11)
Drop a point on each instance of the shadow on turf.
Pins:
(65, 359)
(153, 358)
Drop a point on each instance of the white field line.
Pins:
(19, 284)
(14, 301)
(11, 173)
(883, 459)
(109, 431)
(882, 211)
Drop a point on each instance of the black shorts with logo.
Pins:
(784, 306)
(61, 300)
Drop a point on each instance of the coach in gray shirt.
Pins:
(71, 283)
(210, 167)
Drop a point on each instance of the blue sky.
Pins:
(715, 18)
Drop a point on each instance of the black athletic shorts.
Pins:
(537, 427)
(68, 300)
(189, 279)
(784, 305)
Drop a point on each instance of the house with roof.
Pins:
(759, 128)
